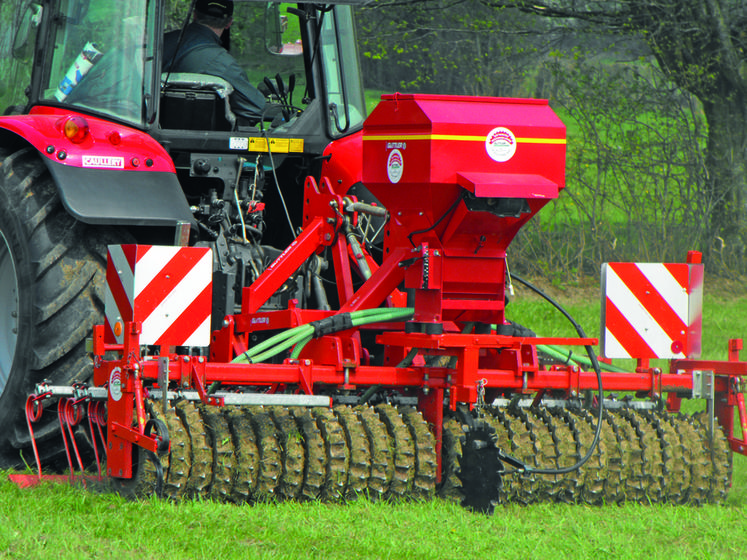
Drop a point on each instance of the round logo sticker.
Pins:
(115, 384)
(500, 144)
(394, 166)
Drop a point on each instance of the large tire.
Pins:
(52, 272)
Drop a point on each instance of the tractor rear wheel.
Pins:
(52, 272)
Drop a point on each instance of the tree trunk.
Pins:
(726, 176)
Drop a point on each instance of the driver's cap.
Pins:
(215, 8)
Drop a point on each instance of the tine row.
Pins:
(255, 454)
(642, 456)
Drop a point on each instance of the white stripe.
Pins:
(125, 273)
(201, 336)
(667, 287)
(695, 299)
(638, 317)
(174, 304)
(150, 264)
(112, 312)
(611, 348)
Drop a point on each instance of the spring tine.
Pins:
(33, 414)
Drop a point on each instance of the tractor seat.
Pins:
(195, 102)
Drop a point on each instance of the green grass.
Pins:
(724, 307)
(61, 522)
(373, 96)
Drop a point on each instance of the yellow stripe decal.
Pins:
(404, 137)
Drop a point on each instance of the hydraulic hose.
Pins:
(594, 363)
(568, 357)
(300, 335)
(365, 317)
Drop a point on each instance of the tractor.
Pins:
(311, 304)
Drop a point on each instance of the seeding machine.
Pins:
(365, 349)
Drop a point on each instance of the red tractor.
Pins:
(312, 305)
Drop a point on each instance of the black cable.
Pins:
(597, 370)
(441, 219)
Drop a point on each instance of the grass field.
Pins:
(57, 521)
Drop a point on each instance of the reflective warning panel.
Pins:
(167, 289)
(651, 310)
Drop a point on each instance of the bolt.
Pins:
(185, 359)
(201, 359)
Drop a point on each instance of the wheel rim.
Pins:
(8, 311)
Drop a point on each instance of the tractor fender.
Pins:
(343, 162)
(116, 175)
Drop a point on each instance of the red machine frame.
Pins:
(442, 261)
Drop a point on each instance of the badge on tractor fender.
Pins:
(500, 144)
(394, 166)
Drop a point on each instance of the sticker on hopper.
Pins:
(394, 166)
(500, 144)
(115, 384)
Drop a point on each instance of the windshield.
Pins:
(101, 57)
(249, 44)
(345, 101)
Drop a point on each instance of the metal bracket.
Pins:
(163, 382)
(702, 384)
(703, 388)
(181, 234)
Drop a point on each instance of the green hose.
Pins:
(564, 356)
(299, 336)
(365, 317)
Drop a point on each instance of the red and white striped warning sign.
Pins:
(167, 289)
(651, 310)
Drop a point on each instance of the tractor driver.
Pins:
(202, 52)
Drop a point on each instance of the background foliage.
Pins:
(638, 176)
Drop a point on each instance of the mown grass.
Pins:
(724, 309)
(62, 522)
(58, 521)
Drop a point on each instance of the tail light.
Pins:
(76, 129)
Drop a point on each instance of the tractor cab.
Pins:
(105, 59)
(99, 69)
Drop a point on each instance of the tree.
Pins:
(701, 45)
(445, 46)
